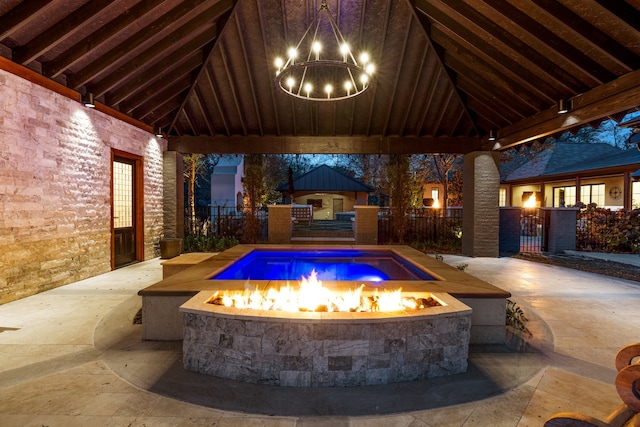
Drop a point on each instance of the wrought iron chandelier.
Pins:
(330, 72)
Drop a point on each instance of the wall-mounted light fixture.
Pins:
(158, 131)
(564, 105)
(492, 135)
(87, 100)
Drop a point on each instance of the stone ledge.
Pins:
(184, 261)
(272, 350)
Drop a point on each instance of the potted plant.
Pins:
(170, 247)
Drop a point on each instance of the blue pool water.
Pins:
(338, 265)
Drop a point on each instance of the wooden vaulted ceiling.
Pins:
(448, 71)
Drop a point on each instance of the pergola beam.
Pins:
(619, 95)
(323, 145)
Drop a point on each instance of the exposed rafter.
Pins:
(622, 94)
(449, 71)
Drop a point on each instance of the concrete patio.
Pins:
(72, 356)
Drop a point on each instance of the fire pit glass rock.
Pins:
(311, 349)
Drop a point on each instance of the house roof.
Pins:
(325, 178)
(448, 71)
(566, 158)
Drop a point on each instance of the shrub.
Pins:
(601, 229)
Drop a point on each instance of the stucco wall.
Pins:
(55, 175)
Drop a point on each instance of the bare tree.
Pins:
(398, 173)
(195, 165)
(445, 169)
(253, 191)
(367, 168)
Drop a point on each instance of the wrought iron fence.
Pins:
(227, 222)
(437, 225)
(604, 230)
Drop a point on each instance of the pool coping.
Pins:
(450, 279)
(162, 320)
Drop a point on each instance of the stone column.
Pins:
(173, 194)
(366, 225)
(560, 230)
(481, 212)
(280, 225)
(510, 230)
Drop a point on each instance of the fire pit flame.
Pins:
(312, 296)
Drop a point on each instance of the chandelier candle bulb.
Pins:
(336, 68)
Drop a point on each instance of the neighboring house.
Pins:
(602, 173)
(226, 182)
(328, 191)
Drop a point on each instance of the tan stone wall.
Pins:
(55, 175)
(173, 179)
(366, 225)
(280, 224)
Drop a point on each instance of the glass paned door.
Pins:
(124, 211)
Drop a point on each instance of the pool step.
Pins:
(323, 240)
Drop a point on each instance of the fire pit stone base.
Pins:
(326, 349)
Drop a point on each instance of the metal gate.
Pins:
(532, 230)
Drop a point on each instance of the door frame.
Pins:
(138, 188)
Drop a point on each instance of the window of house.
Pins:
(592, 193)
(435, 193)
(564, 196)
(635, 195)
(503, 197)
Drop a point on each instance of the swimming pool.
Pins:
(329, 264)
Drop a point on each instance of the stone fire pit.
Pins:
(326, 349)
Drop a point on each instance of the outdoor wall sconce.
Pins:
(87, 100)
(564, 105)
(158, 131)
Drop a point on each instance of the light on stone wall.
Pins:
(87, 100)
(158, 131)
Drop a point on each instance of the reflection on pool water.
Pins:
(329, 264)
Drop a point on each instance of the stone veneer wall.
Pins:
(280, 225)
(55, 186)
(366, 225)
(327, 353)
(481, 213)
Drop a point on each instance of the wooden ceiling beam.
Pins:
(620, 95)
(323, 145)
(220, 24)
(622, 10)
(169, 94)
(591, 33)
(75, 53)
(555, 42)
(206, 75)
(439, 53)
(123, 49)
(203, 25)
(59, 32)
(19, 16)
(562, 79)
(145, 85)
(526, 87)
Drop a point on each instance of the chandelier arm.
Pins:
(304, 36)
(353, 80)
(338, 35)
(304, 74)
(315, 34)
(336, 29)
